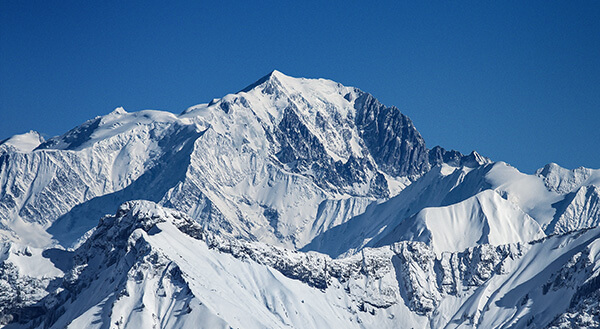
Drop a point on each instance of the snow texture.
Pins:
(294, 203)
(150, 266)
(281, 162)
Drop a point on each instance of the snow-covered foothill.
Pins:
(151, 266)
(442, 195)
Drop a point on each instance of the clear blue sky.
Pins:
(518, 81)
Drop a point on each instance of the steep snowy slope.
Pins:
(122, 151)
(26, 142)
(580, 207)
(281, 161)
(153, 267)
(523, 196)
(485, 218)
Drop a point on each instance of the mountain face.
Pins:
(483, 200)
(292, 203)
(147, 266)
(281, 161)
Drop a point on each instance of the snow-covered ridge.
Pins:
(145, 258)
(292, 203)
(483, 201)
(566, 181)
(26, 142)
(485, 218)
(103, 128)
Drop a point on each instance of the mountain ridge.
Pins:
(293, 201)
(138, 262)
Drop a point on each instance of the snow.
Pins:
(169, 279)
(29, 261)
(527, 191)
(139, 269)
(31, 234)
(316, 102)
(525, 279)
(485, 218)
(514, 199)
(581, 211)
(119, 121)
(26, 142)
(466, 243)
(565, 181)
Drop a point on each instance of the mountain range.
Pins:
(292, 203)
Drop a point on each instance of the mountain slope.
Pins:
(485, 218)
(281, 161)
(150, 266)
(523, 196)
(292, 203)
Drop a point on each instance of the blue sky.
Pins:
(518, 81)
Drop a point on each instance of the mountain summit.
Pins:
(240, 164)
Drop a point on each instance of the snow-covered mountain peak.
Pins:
(475, 159)
(274, 94)
(258, 82)
(137, 214)
(119, 110)
(118, 124)
(307, 116)
(26, 142)
(145, 213)
(230, 193)
(277, 81)
(322, 94)
(564, 181)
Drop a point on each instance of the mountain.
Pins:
(460, 197)
(26, 142)
(281, 161)
(147, 266)
(291, 203)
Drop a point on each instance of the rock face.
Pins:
(391, 138)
